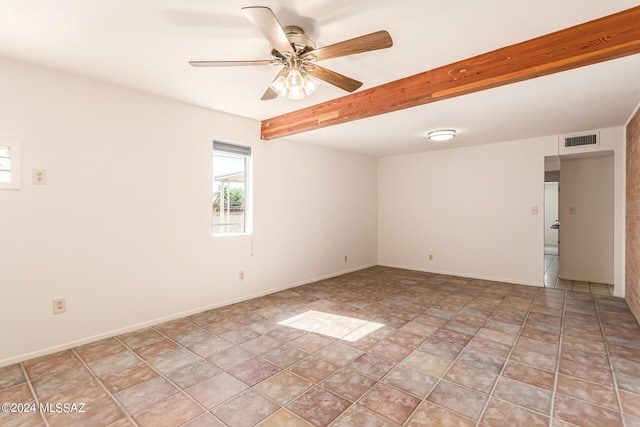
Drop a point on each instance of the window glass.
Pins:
(5, 163)
(231, 170)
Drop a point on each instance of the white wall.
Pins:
(587, 234)
(469, 207)
(123, 228)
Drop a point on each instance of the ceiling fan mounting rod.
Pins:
(293, 29)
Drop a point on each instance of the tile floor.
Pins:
(450, 352)
(551, 279)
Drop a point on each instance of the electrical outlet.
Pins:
(39, 176)
(430, 257)
(59, 306)
(241, 275)
(534, 210)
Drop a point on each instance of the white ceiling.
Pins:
(145, 45)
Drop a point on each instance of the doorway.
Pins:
(551, 221)
(579, 214)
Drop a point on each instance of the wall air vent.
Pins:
(581, 140)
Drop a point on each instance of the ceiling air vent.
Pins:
(581, 140)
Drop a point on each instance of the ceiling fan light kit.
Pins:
(441, 135)
(294, 84)
(297, 53)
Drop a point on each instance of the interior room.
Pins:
(202, 226)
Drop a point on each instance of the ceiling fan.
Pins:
(298, 55)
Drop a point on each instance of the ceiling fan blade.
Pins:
(336, 79)
(374, 41)
(270, 93)
(267, 23)
(233, 63)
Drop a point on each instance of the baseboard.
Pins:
(112, 333)
(465, 275)
(327, 276)
(582, 279)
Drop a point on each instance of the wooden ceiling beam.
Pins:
(603, 39)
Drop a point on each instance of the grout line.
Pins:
(613, 375)
(180, 390)
(555, 379)
(242, 326)
(441, 377)
(33, 392)
(93, 374)
(507, 358)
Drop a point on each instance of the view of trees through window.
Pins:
(233, 197)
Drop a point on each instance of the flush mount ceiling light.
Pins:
(441, 135)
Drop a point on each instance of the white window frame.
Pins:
(246, 153)
(15, 170)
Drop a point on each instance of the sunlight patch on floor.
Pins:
(333, 325)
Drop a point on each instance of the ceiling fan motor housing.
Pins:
(299, 40)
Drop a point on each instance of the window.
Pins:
(5, 163)
(9, 166)
(231, 189)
